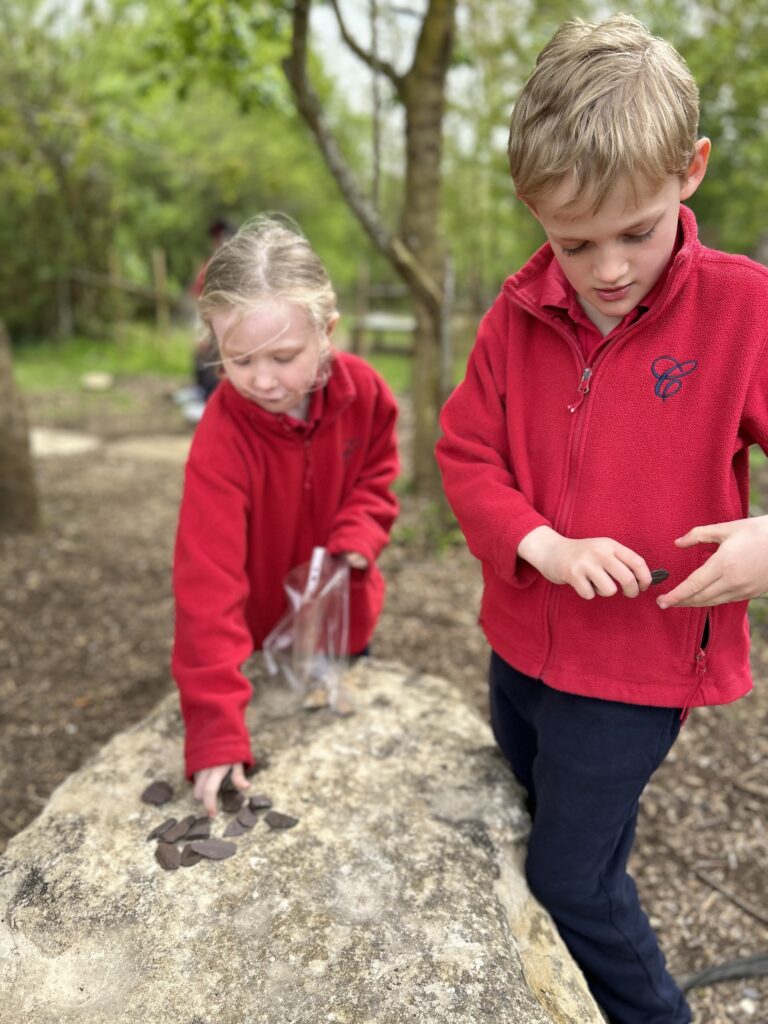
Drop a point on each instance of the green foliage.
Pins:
(115, 141)
(724, 45)
(131, 125)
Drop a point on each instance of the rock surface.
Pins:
(397, 898)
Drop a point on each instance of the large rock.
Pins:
(398, 897)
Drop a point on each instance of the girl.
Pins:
(296, 449)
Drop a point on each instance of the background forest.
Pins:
(126, 127)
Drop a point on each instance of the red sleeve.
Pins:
(211, 588)
(197, 285)
(365, 519)
(475, 462)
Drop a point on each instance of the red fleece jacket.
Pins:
(261, 491)
(657, 443)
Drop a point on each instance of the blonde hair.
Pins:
(604, 102)
(269, 260)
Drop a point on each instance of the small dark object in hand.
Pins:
(277, 820)
(213, 849)
(157, 793)
(160, 829)
(167, 856)
(658, 576)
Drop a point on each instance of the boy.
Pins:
(609, 403)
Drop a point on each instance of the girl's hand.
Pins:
(355, 560)
(208, 781)
(737, 571)
(595, 565)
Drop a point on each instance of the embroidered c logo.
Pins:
(669, 373)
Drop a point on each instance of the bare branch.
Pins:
(371, 59)
(310, 108)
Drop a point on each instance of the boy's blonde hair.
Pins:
(603, 102)
(269, 259)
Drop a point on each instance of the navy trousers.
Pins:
(584, 763)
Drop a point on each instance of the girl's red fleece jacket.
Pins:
(657, 443)
(261, 491)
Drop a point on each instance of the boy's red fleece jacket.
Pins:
(656, 444)
(261, 491)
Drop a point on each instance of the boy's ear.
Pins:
(696, 169)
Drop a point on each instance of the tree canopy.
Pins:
(129, 125)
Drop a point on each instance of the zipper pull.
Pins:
(701, 671)
(583, 389)
(701, 664)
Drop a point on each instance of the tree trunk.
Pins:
(417, 254)
(19, 511)
(424, 99)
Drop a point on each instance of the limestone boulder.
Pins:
(397, 898)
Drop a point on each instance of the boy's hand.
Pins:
(737, 571)
(595, 565)
(208, 780)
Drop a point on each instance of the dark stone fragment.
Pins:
(234, 828)
(659, 575)
(213, 849)
(167, 856)
(231, 801)
(275, 819)
(247, 818)
(157, 793)
(189, 857)
(179, 830)
(161, 828)
(259, 802)
(200, 829)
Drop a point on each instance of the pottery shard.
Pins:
(179, 830)
(189, 857)
(247, 818)
(167, 856)
(160, 829)
(213, 849)
(231, 801)
(157, 793)
(275, 819)
(234, 828)
(259, 801)
(199, 829)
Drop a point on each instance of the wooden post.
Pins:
(358, 335)
(19, 508)
(160, 276)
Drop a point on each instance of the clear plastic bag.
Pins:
(309, 644)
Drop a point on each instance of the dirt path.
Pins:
(85, 629)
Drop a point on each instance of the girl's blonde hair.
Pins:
(604, 102)
(269, 259)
